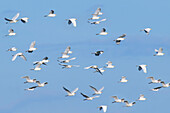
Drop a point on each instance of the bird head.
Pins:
(34, 80)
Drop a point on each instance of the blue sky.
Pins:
(53, 35)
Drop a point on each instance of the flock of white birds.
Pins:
(65, 58)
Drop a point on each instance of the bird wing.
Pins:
(27, 77)
(32, 44)
(46, 58)
(67, 50)
(16, 16)
(74, 22)
(14, 57)
(23, 57)
(97, 11)
(142, 96)
(144, 68)
(84, 95)
(160, 50)
(103, 20)
(98, 70)
(38, 82)
(104, 108)
(126, 102)
(66, 90)
(38, 66)
(95, 90)
(51, 12)
(122, 36)
(63, 64)
(74, 90)
(101, 89)
(11, 31)
(72, 58)
(7, 19)
(118, 41)
(152, 78)
(158, 87)
(115, 97)
(103, 30)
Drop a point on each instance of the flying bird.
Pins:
(37, 67)
(97, 22)
(87, 97)
(31, 88)
(66, 52)
(32, 48)
(72, 21)
(41, 84)
(146, 30)
(159, 52)
(103, 107)
(44, 61)
(103, 32)
(97, 53)
(96, 68)
(28, 80)
(11, 33)
(117, 100)
(100, 70)
(109, 65)
(119, 39)
(156, 89)
(69, 92)
(129, 104)
(123, 79)
(13, 20)
(97, 92)
(141, 97)
(142, 67)
(20, 55)
(51, 14)
(98, 11)
(24, 20)
(12, 49)
(68, 66)
(165, 85)
(66, 61)
(153, 80)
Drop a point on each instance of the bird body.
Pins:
(11, 33)
(159, 52)
(97, 22)
(142, 97)
(97, 53)
(103, 107)
(109, 65)
(146, 30)
(51, 14)
(12, 49)
(103, 32)
(119, 39)
(72, 21)
(24, 20)
(66, 61)
(31, 88)
(41, 84)
(142, 67)
(123, 79)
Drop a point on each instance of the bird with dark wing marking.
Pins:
(97, 92)
(28, 80)
(97, 53)
(146, 30)
(103, 32)
(51, 14)
(13, 20)
(119, 39)
(69, 93)
(159, 52)
(72, 21)
(142, 67)
(32, 48)
(11, 33)
(103, 107)
(87, 97)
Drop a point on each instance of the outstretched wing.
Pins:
(74, 90)
(66, 90)
(32, 44)
(14, 57)
(16, 16)
(84, 95)
(101, 89)
(7, 19)
(23, 57)
(94, 88)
